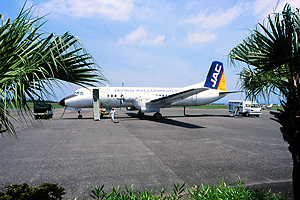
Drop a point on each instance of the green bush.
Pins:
(232, 192)
(46, 191)
(129, 194)
(203, 192)
(49, 191)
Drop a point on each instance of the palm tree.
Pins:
(31, 62)
(272, 53)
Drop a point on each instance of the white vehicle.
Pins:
(149, 99)
(245, 108)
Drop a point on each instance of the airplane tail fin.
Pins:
(215, 78)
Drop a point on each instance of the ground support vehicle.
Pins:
(244, 108)
(42, 110)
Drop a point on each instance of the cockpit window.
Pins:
(78, 93)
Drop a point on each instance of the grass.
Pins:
(220, 106)
(210, 106)
(55, 105)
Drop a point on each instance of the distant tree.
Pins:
(272, 53)
(32, 62)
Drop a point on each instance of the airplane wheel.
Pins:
(157, 116)
(79, 116)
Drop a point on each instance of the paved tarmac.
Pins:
(204, 147)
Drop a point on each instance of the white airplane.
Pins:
(150, 99)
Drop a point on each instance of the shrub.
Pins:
(46, 191)
(234, 191)
(203, 192)
(49, 191)
(129, 194)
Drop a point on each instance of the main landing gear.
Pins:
(79, 114)
(156, 116)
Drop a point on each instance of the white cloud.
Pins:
(158, 40)
(205, 23)
(134, 36)
(200, 37)
(111, 9)
(216, 19)
(141, 35)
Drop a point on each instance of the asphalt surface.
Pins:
(205, 146)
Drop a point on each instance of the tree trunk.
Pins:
(289, 118)
(296, 177)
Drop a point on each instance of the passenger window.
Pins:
(81, 93)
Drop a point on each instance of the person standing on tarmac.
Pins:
(112, 114)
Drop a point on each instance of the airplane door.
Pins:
(96, 104)
(194, 98)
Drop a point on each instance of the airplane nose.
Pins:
(62, 102)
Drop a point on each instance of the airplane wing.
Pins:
(168, 100)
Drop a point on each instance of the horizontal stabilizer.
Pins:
(230, 92)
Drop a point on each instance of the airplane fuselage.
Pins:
(132, 96)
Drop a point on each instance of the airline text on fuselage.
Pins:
(146, 90)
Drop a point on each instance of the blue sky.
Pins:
(154, 42)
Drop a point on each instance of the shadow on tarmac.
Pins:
(72, 118)
(166, 121)
(207, 115)
(284, 189)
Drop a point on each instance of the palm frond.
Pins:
(273, 50)
(32, 61)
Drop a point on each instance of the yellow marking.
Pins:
(222, 84)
